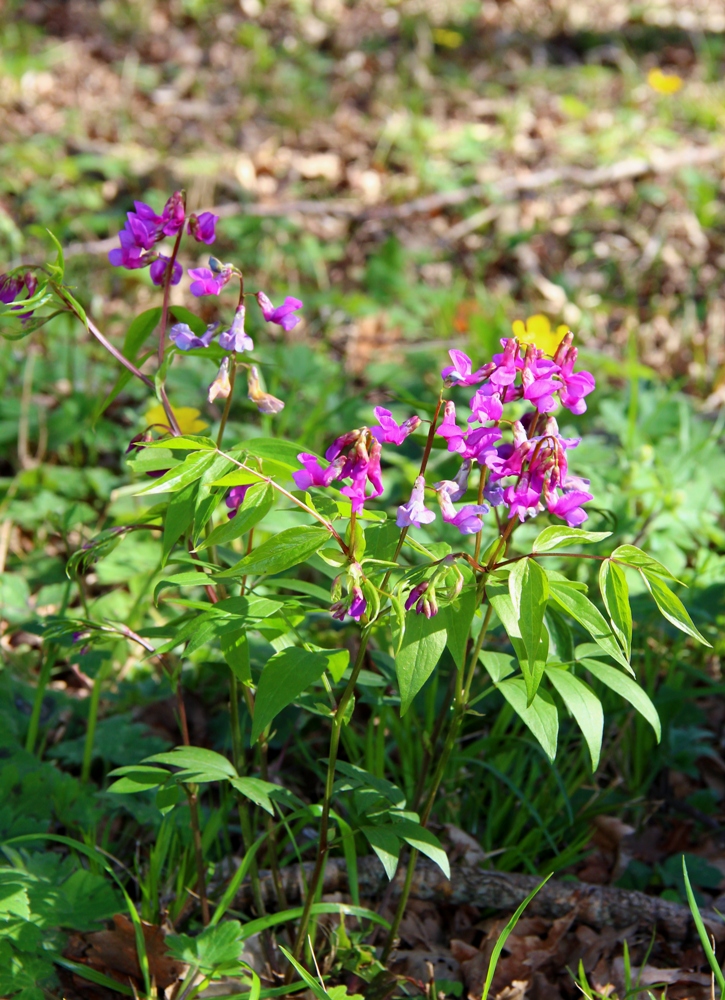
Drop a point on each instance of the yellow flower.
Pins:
(447, 38)
(186, 417)
(538, 331)
(664, 83)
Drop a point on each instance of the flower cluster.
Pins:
(11, 285)
(144, 229)
(356, 456)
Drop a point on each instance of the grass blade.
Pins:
(503, 936)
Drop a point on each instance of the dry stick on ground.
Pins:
(598, 906)
(508, 186)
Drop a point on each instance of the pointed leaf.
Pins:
(615, 594)
(256, 791)
(559, 535)
(386, 845)
(197, 764)
(286, 549)
(504, 608)
(630, 555)
(178, 519)
(458, 617)
(424, 841)
(285, 676)
(257, 504)
(188, 472)
(529, 589)
(583, 705)
(188, 579)
(628, 689)
(671, 606)
(588, 615)
(540, 716)
(420, 651)
(235, 647)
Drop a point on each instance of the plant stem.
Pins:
(91, 728)
(193, 798)
(168, 274)
(46, 670)
(323, 846)
(463, 686)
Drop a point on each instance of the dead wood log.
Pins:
(596, 905)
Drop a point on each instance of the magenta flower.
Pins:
(185, 339)
(206, 282)
(414, 512)
(390, 432)
(203, 227)
(130, 255)
(358, 604)
(460, 372)
(487, 403)
(313, 474)
(506, 364)
(478, 444)
(522, 499)
(236, 338)
(466, 519)
(158, 270)
(235, 498)
(538, 384)
(450, 430)
(340, 443)
(569, 506)
(173, 215)
(415, 595)
(374, 472)
(10, 286)
(283, 315)
(456, 488)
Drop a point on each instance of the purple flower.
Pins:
(460, 372)
(423, 597)
(185, 339)
(10, 286)
(374, 472)
(414, 512)
(456, 488)
(506, 364)
(539, 386)
(130, 255)
(487, 403)
(173, 215)
(466, 519)
(206, 282)
(340, 443)
(202, 227)
(449, 429)
(236, 338)
(478, 444)
(493, 494)
(358, 604)
(390, 432)
(283, 315)
(522, 498)
(235, 498)
(158, 270)
(415, 595)
(221, 386)
(569, 506)
(313, 474)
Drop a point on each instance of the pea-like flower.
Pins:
(467, 519)
(236, 338)
(283, 315)
(221, 386)
(235, 498)
(208, 282)
(203, 227)
(390, 431)
(461, 371)
(159, 267)
(414, 512)
(264, 401)
(185, 339)
(313, 474)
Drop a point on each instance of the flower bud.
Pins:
(221, 386)
(264, 401)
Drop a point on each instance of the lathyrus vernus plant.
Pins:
(407, 592)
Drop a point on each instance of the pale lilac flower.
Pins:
(313, 474)
(158, 270)
(202, 227)
(390, 432)
(264, 401)
(281, 315)
(235, 498)
(467, 519)
(456, 487)
(236, 338)
(185, 339)
(206, 282)
(221, 386)
(414, 512)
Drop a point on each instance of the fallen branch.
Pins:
(596, 905)
(492, 192)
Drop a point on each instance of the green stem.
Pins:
(46, 669)
(323, 846)
(463, 686)
(92, 721)
(228, 405)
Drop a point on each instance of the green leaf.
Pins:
(386, 845)
(137, 778)
(671, 607)
(424, 841)
(257, 504)
(498, 665)
(588, 615)
(185, 443)
(540, 716)
(235, 647)
(628, 689)
(630, 555)
(364, 779)
(504, 608)
(257, 791)
(420, 651)
(183, 315)
(14, 899)
(216, 950)
(318, 991)
(285, 549)
(285, 676)
(501, 940)
(176, 479)
(529, 589)
(338, 660)
(197, 764)
(559, 535)
(190, 578)
(583, 705)
(275, 448)
(178, 519)
(615, 594)
(702, 931)
(560, 635)
(457, 618)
